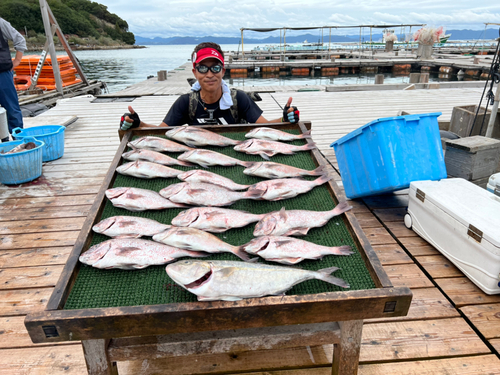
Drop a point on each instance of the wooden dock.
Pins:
(452, 327)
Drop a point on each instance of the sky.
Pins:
(168, 18)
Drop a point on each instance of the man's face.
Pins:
(209, 81)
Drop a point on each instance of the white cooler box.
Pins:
(493, 185)
(462, 221)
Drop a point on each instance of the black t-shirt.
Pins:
(179, 112)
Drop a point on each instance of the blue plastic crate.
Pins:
(52, 135)
(387, 154)
(21, 166)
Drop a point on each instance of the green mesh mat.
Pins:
(95, 288)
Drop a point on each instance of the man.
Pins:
(211, 102)
(8, 93)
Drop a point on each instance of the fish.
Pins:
(214, 219)
(284, 188)
(289, 250)
(270, 134)
(207, 158)
(132, 253)
(203, 194)
(198, 175)
(295, 222)
(146, 169)
(21, 147)
(129, 227)
(158, 144)
(135, 199)
(197, 240)
(269, 169)
(194, 136)
(266, 149)
(152, 156)
(212, 280)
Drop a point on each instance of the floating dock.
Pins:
(452, 326)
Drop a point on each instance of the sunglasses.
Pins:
(204, 69)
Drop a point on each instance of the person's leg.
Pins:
(10, 101)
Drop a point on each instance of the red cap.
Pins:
(207, 53)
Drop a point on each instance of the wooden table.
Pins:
(155, 331)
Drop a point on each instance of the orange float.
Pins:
(22, 83)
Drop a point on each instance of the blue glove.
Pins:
(125, 125)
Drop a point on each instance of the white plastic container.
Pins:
(462, 221)
(494, 184)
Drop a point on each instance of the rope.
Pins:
(493, 76)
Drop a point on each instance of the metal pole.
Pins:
(242, 49)
(52, 50)
(494, 111)
(360, 42)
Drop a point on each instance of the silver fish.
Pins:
(271, 134)
(152, 156)
(202, 194)
(146, 169)
(214, 219)
(232, 281)
(207, 158)
(295, 222)
(197, 175)
(135, 199)
(268, 169)
(195, 136)
(275, 190)
(197, 240)
(132, 253)
(129, 227)
(158, 144)
(289, 250)
(266, 149)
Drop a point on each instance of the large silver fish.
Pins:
(266, 149)
(233, 281)
(214, 219)
(195, 136)
(269, 169)
(295, 222)
(152, 156)
(135, 199)
(271, 134)
(207, 158)
(202, 194)
(197, 175)
(275, 190)
(129, 227)
(197, 240)
(132, 253)
(158, 144)
(289, 250)
(146, 169)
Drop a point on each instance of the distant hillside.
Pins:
(83, 18)
(455, 35)
(235, 40)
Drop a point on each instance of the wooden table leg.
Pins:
(97, 358)
(346, 354)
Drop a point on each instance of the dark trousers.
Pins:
(10, 101)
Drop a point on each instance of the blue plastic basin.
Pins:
(387, 154)
(21, 166)
(51, 135)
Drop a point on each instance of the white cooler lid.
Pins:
(466, 203)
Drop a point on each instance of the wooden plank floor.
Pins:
(452, 327)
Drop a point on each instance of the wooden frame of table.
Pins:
(135, 332)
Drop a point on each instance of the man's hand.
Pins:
(290, 114)
(130, 120)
